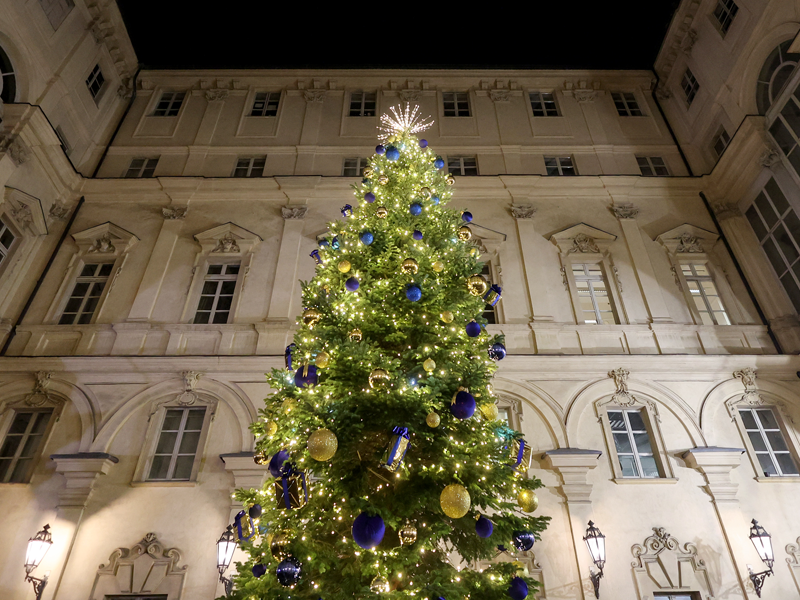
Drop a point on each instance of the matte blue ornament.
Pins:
(417, 235)
(435, 200)
(463, 405)
(277, 464)
(392, 153)
(306, 376)
(497, 351)
(484, 527)
(369, 197)
(379, 149)
(259, 570)
(523, 540)
(439, 163)
(255, 511)
(466, 216)
(473, 329)
(351, 284)
(315, 255)
(347, 210)
(288, 572)
(324, 243)
(518, 590)
(413, 292)
(366, 237)
(423, 143)
(415, 209)
(287, 354)
(368, 531)
(335, 243)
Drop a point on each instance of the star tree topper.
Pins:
(404, 121)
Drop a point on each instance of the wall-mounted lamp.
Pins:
(38, 546)
(226, 545)
(596, 543)
(763, 543)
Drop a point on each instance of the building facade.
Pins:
(643, 225)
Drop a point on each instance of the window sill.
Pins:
(163, 483)
(644, 480)
(15, 484)
(786, 479)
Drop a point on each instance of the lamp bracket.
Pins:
(595, 577)
(758, 579)
(227, 582)
(38, 585)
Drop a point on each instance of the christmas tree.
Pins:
(386, 479)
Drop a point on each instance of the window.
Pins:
(559, 165)
(778, 229)
(721, 141)
(56, 10)
(489, 312)
(265, 104)
(63, 139)
(353, 167)
(95, 81)
(362, 104)
(724, 12)
(543, 104)
(86, 294)
(169, 104)
(775, 73)
(462, 165)
(174, 456)
(456, 104)
(250, 167)
(141, 167)
(704, 293)
(626, 104)
(769, 444)
(216, 296)
(7, 238)
(137, 597)
(22, 445)
(652, 166)
(689, 85)
(785, 129)
(595, 303)
(689, 596)
(632, 443)
(8, 79)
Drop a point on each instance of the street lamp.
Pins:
(596, 543)
(763, 543)
(226, 545)
(38, 546)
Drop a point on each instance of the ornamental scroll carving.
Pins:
(41, 393)
(623, 397)
(293, 212)
(625, 211)
(174, 213)
(216, 95)
(103, 245)
(409, 95)
(689, 243)
(227, 245)
(794, 561)
(500, 95)
(523, 211)
(314, 95)
(584, 244)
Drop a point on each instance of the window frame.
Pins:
(461, 166)
(65, 7)
(696, 312)
(92, 280)
(144, 168)
(362, 164)
(184, 100)
(96, 73)
(560, 167)
(689, 85)
(455, 101)
(5, 427)
(606, 282)
(6, 254)
(652, 166)
(251, 168)
(630, 104)
(770, 450)
(721, 132)
(8, 78)
(238, 279)
(267, 102)
(729, 16)
(362, 103)
(543, 103)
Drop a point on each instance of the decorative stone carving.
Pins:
(770, 157)
(794, 561)
(616, 277)
(409, 95)
(677, 279)
(687, 43)
(663, 92)
(58, 212)
(748, 376)
(689, 243)
(716, 465)
(22, 215)
(227, 245)
(582, 238)
(686, 239)
(125, 89)
(188, 397)
(41, 394)
(523, 211)
(582, 92)
(625, 211)
(293, 212)
(103, 245)
(500, 95)
(105, 238)
(314, 95)
(173, 213)
(564, 278)
(622, 396)
(725, 210)
(583, 243)
(17, 151)
(584, 96)
(216, 95)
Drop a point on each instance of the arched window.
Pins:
(776, 71)
(8, 81)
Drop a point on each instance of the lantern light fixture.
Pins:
(763, 544)
(226, 545)
(38, 546)
(596, 543)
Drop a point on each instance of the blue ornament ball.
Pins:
(278, 465)
(413, 293)
(473, 329)
(369, 197)
(255, 511)
(323, 243)
(435, 200)
(306, 378)
(466, 216)
(368, 531)
(288, 571)
(417, 235)
(415, 209)
(259, 570)
(523, 540)
(518, 590)
(497, 351)
(484, 527)
(366, 237)
(379, 149)
(463, 406)
(392, 153)
(351, 284)
(439, 163)
(423, 143)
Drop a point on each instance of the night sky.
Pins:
(624, 34)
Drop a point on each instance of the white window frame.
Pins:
(630, 433)
(173, 95)
(52, 410)
(269, 98)
(219, 278)
(722, 137)
(145, 170)
(361, 104)
(91, 80)
(175, 454)
(771, 452)
(651, 164)
(690, 86)
(626, 104)
(359, 166)
(458, 162)
(694, 276)
(589, 279)
(7, 251)
(8, 92)
(91, 280)
(724, 14)
(454, 98)
(539, 97)
(251, 166)
(559, 167)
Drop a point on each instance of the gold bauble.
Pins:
(378, 377)
(272, 428)
(477, 285)
(391, 138)
(368, 172)
(407, 534)
(343, 266)
(447, 316)
(322, 444)
(429, 365)
(409, 266)
(455, 501)
(260, 458)
(449, 180)
(527, 500)
(311, 317)
(381, 212)
(432, 419)
(379, 585)
(464, 233)
(473, 252)
(280, 546)
(355, 335)
(288, 405)
(438, 266)
(383, 180)
(323, 359)
(425, 192)
(490, 411)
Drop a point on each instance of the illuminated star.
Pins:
(404, 121)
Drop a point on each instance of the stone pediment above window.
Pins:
(26, 211)
(228, 239)
(582, 239)
(687, 239)
(105, 240)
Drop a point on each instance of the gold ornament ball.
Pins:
(379, 585)
(260, 458)
(311, 317)
(343, 266)
(527, 500)
(425, 192)
(432, 419)
(455, 501)
(378, 377)
(323, 359)
(473, 252)
(447, 316)
(407, 534)
(490, 411)
(272, 428)
(368, 172)
(391, 138)
(279, 546)
(429, 365)
(409, 266)
(288, 405)
(477, 285)
(438, 266)
(383, 180)
(449, 180)
(464, 233)
(322, 444)
(381, 212)
(355, 335)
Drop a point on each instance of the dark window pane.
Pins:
(172, 420)
(224, 302)
(189, 442)
(767, 418)
(790, 285)
(617, 423)
(183, 468)
(756, 223)
(767, 465)
(748, 419)
(201, 318)
(777, 197)
(228, 287)
(220, 317)
(214, 269)
(160, 467)
(635, 419)
(782, 136)
(166, 442)
(622, 443)
(194, 422)
(767, 212)
(105, 269)
(209, 288)
(757, 440)
(206, 303)
(787, 465)
(784, 241)
(774, 257)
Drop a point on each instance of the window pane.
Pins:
(622, 443)
(194, 422)
(756, 223)
(748, 419)
(172, 420)
(649, 466)
(628, 466)
(786, 464)
(160, 467)
(774, 256)
(767, 418)
(183, 468)
(642, 441)
(791, 113)
(617, 423)
(776, 442)
(220, 317)
(166, 442)
(767, 465)
(776, 195)
(757, 440)
(189, 442)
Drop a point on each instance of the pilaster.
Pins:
(81, 471)
(280, 304)
(533, 267)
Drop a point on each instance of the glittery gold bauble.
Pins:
(280, 546)
(425, 192)
(343, 266)
(438, 266)
(381, 212)
(490, 411)
(378, 377)
(322, 444)
(464, 233)
(391, 138)
(449, 180)
(447, 316)
(429, 365)
(272, 428)
(288, 405)
(379, 585)
(323, 359)
(260, 458)
(407, 534)
(477, 285)
(368, 172)
(409, 266)
(527, 500)
(432, 419)
(455, 501)
(473, 252)
(311, 317)
(383, 180)
(355, 335)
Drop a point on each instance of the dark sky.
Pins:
(623, 34)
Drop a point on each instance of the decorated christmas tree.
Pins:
(391, 472)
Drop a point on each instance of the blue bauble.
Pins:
(379, 149)
(259, 570)
(335, 243)
(306, 378)
(368, 531)
(497, 351)
(423, 143)
(473, 329)
(463, 407)
(439, 163)
(324, 243)
(484, 527)
(351, 284)
(415, 209)
(369, 197)
(466, 216)
(435, 199)
(523, 540)
(255, 511)
(366, 237)
(413, 293)
(417, 235)
(518, 590)
(278, 465)
(392, 153)
(288, 571)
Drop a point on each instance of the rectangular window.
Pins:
(176, 450)
(95, 81)
(83, 300)
(689, 85)
(250, 167)
(56, 10)
(761, 425)
(543, 104)
(632, 443)
(724, 12)
(593, 296)
(141, 167)
(362, 104)
(704, 293)
(456, 104)
(22, 445)
(652, 166)
(7, 238)
(778, 229)
(559, 165)
(721, 141)
(353, 167)
(170, 104)
(216, 296)
(489, 312)
(462, 165)
(785, 129)
(265, 104)
(626, 104)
